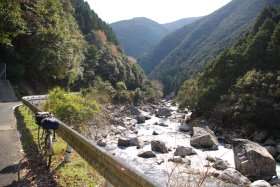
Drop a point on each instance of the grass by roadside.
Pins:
(76, 173)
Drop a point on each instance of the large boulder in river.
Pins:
(163, 112)
(253, 160)
(128, 142)
(159, 146)
(204, 138)
(233, 176)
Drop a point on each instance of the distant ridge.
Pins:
(140, 35)
(173, 26)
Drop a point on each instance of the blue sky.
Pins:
(162, 11)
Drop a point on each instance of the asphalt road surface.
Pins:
(10, 146)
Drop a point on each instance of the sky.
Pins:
(162, 11)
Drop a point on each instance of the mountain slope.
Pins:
(49, 43)
(139, 35)
(242, 85)
(185, 51)
(173, 26)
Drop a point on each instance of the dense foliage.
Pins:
(47, 43)
(243, 83)
(73, 109)
(104, 92)
(184, 52)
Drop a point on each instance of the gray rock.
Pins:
(159, 146)
(233, 176)
(155, 133)
(210, 158)
(147, 154)
(260, 136)
(163, 124)
(220, 164)
(163, 112)
(101, 143)
(260, 183)
(253, 160)
(204, 138)
(128, 142)
(184, 151)
(271, 150)
(147, 117)
(141, 119)
(185, 128)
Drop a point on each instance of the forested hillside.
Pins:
(47, 43)
(181, 54)
(242, 84)
(138, 35)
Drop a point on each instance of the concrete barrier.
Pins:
(114, 170)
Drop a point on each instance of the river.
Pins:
(159, 168)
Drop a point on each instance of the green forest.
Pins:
(62, 43)
(242, 84)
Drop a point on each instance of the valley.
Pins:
(193, 102)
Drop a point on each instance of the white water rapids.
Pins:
(159, 168)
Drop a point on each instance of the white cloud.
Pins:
(159, 10)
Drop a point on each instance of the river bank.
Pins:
(168, 169)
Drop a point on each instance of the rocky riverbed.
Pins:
(156, 141)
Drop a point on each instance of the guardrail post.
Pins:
(68, 153)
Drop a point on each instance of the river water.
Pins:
(168, 173)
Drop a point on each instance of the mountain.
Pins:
(183, 53)
(173, 26)
(49, 43)
(242, 85)
(139, 35)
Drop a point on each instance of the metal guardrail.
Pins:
(3, 71)
(114, 170)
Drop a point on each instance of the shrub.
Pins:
(73, 109)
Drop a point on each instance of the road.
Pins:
(10, 146)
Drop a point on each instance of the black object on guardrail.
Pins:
(50, 123)
(39, 116)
